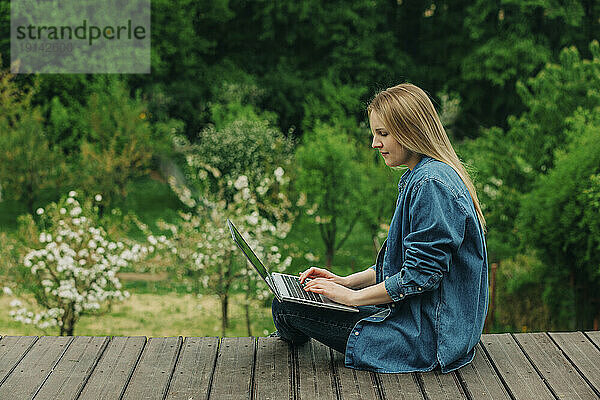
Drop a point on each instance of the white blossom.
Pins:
(15, 303)
(310, 257)
(241, 182)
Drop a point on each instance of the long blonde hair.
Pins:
(409, 116)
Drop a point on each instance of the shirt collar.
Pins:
(424, 160)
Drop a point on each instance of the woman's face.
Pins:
(393, 153)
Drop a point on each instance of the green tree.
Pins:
(185, 44)
(510, 40)
(291, 47)
(329, 175)
(337, 104)
(509, 161)
(499, 175)
(118, 144)
(63, 99)
(552, 96)
(558, 219)
(519, 166)
(28, 163)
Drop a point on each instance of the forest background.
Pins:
(115, 188)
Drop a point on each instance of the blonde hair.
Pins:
(409, 116)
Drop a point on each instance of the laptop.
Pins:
(284, 287)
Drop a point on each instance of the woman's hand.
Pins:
(315, 272)
(329, 288)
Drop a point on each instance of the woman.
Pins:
(423, 304)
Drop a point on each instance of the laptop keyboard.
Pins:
(294, 287)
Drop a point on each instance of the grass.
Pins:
(155, 315)
(146, 283)
(158, 306)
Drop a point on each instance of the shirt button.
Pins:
(419, 289)
(393, 305)
(401, 295)
(386, 276)
(356, 333)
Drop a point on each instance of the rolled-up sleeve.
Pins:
(437, 226)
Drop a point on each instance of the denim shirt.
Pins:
(434, 265)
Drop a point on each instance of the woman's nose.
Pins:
(376, 144)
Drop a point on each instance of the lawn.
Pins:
(146, 314)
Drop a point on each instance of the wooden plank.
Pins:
(151, 377)
(232, 378)
(479, 378)
(399, 386)
(594, 336)
(517, 373)
(12, 349)
(273, 373)
(194, 369)
(441, 386)
(74, 368)
(109, 378)
(558, 372)
(583, 354)
(314, 379)
(34, 368)
(354, 384)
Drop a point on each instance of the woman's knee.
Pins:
(276, 307)
(285, 323)
(288, 308)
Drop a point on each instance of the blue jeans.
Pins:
(297, 323)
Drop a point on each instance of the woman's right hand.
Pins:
(316, 272)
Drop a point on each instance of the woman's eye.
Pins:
(383, 134)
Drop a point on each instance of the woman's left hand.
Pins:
(332, 290)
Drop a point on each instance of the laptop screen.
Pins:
(241, 243)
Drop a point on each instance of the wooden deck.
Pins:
(506, 366)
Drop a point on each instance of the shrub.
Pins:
(71, 264)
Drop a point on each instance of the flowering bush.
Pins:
(72, 268)
(202, 243)
(235, 172)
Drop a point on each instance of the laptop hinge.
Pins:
(274, 286)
